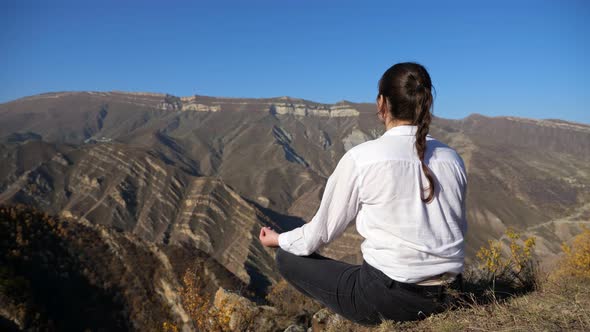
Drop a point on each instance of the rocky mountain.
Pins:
(207, 172)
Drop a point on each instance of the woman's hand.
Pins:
(268, 237)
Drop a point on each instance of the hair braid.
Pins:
(423, 122)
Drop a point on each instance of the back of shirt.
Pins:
(407, 239)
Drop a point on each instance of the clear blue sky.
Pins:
(522, 58)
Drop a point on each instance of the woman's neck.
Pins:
(395, 123)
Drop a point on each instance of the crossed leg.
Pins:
(333, 283)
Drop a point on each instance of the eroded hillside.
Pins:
(209, 171)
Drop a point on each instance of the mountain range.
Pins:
(207, 172)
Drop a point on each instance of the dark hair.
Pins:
(407, 90)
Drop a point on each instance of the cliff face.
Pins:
(208, 172)
(302, 109)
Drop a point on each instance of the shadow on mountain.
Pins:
(173, 153)
(22, 137)
(285, 222)
(259, 283)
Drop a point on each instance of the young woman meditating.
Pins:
(407, 192)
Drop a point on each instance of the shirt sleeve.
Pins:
(339, 205)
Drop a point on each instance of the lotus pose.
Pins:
(407, 192)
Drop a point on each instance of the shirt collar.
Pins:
(403, 130)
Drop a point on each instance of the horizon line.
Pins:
(277, 97)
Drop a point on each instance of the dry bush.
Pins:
(169, 327)
(227, 311)
(519, 268)
(197, 304)
(576, 260)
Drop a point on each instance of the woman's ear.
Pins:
(379, 103)
(382, 104)
(381, 109)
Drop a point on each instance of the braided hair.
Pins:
(407, 90)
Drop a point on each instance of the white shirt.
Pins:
(379, 182)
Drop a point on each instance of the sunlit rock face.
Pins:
(192, 104)
(301, 109)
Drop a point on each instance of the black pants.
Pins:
(360, 293)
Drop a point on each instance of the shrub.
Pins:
(576, 260)
(197, 304)
(519, 269)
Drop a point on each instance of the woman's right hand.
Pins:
(268, 237)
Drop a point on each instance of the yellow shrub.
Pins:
(169, 327)
(518, 268)
(198, 306)
(576, 260)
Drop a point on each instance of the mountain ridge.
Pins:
(362, 105)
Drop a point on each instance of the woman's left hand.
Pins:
(268, 237)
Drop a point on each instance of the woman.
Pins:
(407, 192)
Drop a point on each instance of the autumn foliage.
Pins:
(516, 267)
(198, 305)
(576, 260)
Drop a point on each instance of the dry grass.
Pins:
(563, 306)
(558, 306)
(558, 301)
